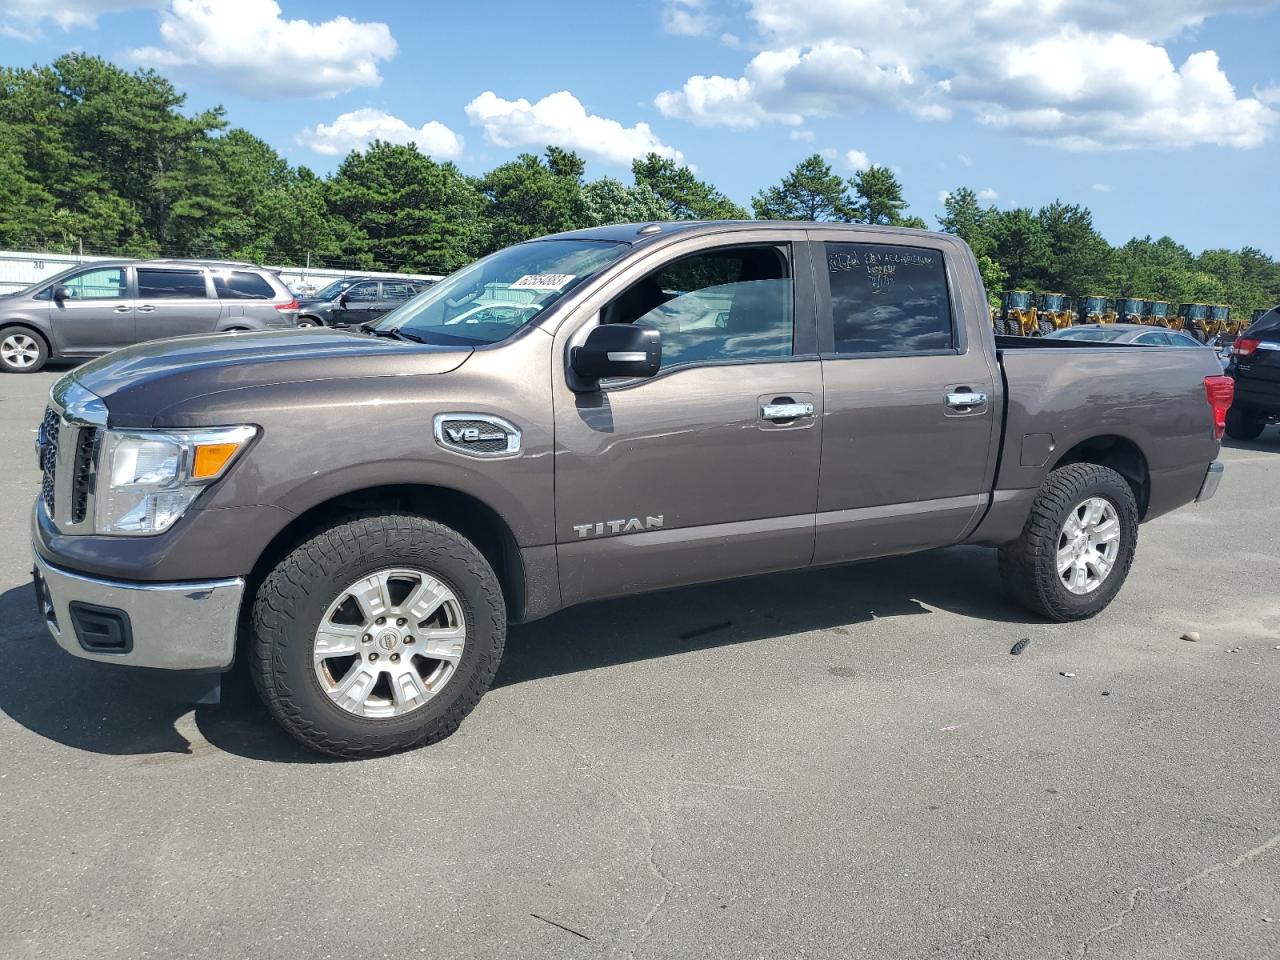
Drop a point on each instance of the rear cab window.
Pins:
(887, 299)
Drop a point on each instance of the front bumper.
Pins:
(169, 626)
(1212, 477)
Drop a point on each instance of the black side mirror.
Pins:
(61, 293)
(617, 350)
(342, 299)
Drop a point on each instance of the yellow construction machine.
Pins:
(1097, 310)
(1018, 314)
(1195, 320)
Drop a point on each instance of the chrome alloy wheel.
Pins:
(1088, 545)
(19, 350)
(389, 643)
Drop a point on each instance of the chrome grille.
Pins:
(47, 449)
(82, 483)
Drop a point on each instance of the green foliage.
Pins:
(529, 198)
(879, 197)
(809, 192)
(686, 197)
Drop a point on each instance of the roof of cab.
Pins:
(640, 232)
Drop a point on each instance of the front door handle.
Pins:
(146, 308)
(785, 411)
(122, 309)
(965, 400)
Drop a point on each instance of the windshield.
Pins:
(1221, 313)
(492, 298)
(1197, 311)
(1159, 309)
(1018, 300)
(332, 290)
(1102, 334)
(1095, 304)
(1053, 301)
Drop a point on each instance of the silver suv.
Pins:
(94, 308)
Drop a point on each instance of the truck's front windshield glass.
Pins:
(492, 298)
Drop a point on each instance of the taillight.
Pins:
(1219, 391)
(1244, 348)
(291, 305)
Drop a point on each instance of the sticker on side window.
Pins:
(542, 281)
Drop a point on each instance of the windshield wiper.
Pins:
(395, 333)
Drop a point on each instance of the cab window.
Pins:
(362, 291)
(733, 304)
(887, 298)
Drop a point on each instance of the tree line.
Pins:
(97, 158)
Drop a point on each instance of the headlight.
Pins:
(148, 478)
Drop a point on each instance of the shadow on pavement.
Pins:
(1268, 442)
(116, 710)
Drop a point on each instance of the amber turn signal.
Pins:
(210, 458)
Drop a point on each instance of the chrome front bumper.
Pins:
(170, 626)
(1212, 477)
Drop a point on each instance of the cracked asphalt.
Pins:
(840, 763)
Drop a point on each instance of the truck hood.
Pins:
(139, 381)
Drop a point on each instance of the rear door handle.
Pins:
(961, 401)
(122, 309)
(785, 411)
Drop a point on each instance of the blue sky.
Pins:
(1161, 115)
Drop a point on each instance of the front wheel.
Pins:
(1244, 424)
(1045, 327)
(1078, 543)
(22, 351)
(377, 635)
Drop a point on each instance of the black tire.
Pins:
(1198, 334)
(295, 595)
(22, 350)
(1028, 565)
(1045, 327)
(309, 322)
(1244, 424)
(1012, 328)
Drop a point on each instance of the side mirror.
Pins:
(61, 293)
(617, 350)
(342, 299)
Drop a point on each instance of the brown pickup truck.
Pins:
(359, 514)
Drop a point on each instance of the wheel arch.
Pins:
(1120, 454)
(29, 327)
(470, 516)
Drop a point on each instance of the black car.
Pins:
(352, 301)
(1255, 364)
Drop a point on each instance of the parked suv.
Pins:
(1255, 364)
(94, 308)
(353, 301)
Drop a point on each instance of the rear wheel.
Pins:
(1045, 327)
(377, 635)
(22, 350)
(309, 322)
(1245, 424)
(1077, 545)
(1198, 334)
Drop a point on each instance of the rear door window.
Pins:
(397, 291)
(242, 285)
(154, 284)
(887, 298)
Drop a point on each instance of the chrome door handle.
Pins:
(958, 401)
(146, 308)
(785, 411)
(122, 309)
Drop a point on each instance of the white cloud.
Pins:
(731, 40)
(249, 47)
(988, 195)
(801, 136)
(828, 153)
(1101, 187)
(560, 119)
(687, 18)
(1030, 68)
(23, 18)
(359, 128)
(944, 196)
(857, 159)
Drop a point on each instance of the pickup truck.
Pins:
(358, 516)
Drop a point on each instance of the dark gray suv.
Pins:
(351, 302)
(94, 308)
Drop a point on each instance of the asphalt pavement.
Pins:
(841, 763)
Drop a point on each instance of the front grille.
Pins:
(48, 447)
(83, 481)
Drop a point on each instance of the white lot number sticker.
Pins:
(542, 281)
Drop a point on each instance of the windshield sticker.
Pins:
(542, 281)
